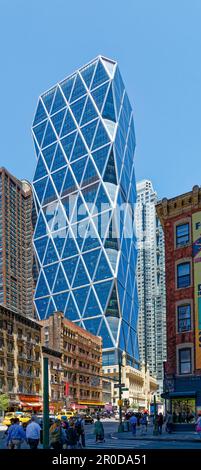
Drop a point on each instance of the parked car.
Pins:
(68, 414)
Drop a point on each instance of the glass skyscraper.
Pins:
(84, 192)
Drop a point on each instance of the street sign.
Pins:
(124, 389)
(120, 402)
(119, 385)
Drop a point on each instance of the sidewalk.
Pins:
(148, 436)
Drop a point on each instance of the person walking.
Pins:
(72, 436)
(79, 426)
(143, 423)
(133, 423)
(56, 435)
(160, 423)
(198, 425)
(99, 430)
(33, 433)
(16, 435)
(169, 423)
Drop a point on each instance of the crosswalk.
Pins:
(114, 444)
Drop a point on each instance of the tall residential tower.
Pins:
(85, 191)
(151, 282)
(16, 253)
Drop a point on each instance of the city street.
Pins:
(126, 440)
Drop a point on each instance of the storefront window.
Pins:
(183, 410)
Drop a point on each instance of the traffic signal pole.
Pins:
(45, 404)
(121, 427)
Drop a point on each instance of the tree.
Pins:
(4, 402)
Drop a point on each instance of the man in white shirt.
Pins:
(33, 433)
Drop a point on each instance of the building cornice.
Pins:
(179, 205)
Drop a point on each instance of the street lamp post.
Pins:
(121, 427)
(45, 403)
(155, 430)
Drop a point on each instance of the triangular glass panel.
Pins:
(88, 132)
(40, 114)
(110, 67)
(110, 170)
(58, 179)
(80, 296)
(67, 143)
(100, 200)
(117, 99)
(60, 301)
(113, 324)
(119, 83)
(40, 169)
(51, 255)
(93, 325)
(90, 174)
(40, 247)
(59, 159)
(81, 277)
(92, 240)
(66, 86)
(109, 110)
(111, 128)
(50, 194)
(78, 90)
(60, 283)
(89, 112)
(79, 149)
(103, 290)
(48, 154)
(101, 137)
(69, 183)
(78, 168)
(59, 102)
(49, 136)
(51, 215)
(47, 98)
(51, 309)
(41, 306)
(41, 228)
(99, 95)
(130, 346)
(125, 327)
(57, 120)
(77, 108)
(100, 76)
(59, 239)
(41, 288)
(39, 187)
(70, 268)
(50, 274)
(90, 258)
(112, 308)
(68, 203)
(70, 248)
(104, 332)
(39, 131)
(103, 270)
(87, 73)
(92, 308)
(71, 312)
(69, 124)
(36, 146)
(89, 195)
(100, 157)
(122, 340)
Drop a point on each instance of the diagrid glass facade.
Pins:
(84, 192)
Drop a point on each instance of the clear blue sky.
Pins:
(158, 46)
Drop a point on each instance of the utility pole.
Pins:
(45, 404)
(155, 430)
(121, 427)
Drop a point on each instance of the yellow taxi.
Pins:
(68, 414)
(7, 418)
(23, 418)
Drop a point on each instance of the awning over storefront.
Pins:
(91, 403)
(190, 394)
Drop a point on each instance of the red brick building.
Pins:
(181, 220)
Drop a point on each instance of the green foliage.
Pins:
(4, 402)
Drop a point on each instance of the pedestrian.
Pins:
(56, 435)
(133, 423)
(198, 425)
(169, 423)
(160, 423)
(99, 430)
(79, 426)
(72, 436)
(143, 423)
(33, 433)
(16, 435)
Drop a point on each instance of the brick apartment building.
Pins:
(81, 361)
(181, 220)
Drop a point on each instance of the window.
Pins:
(185, 362)
(184, 317)
(182, 234)
(183, 275)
